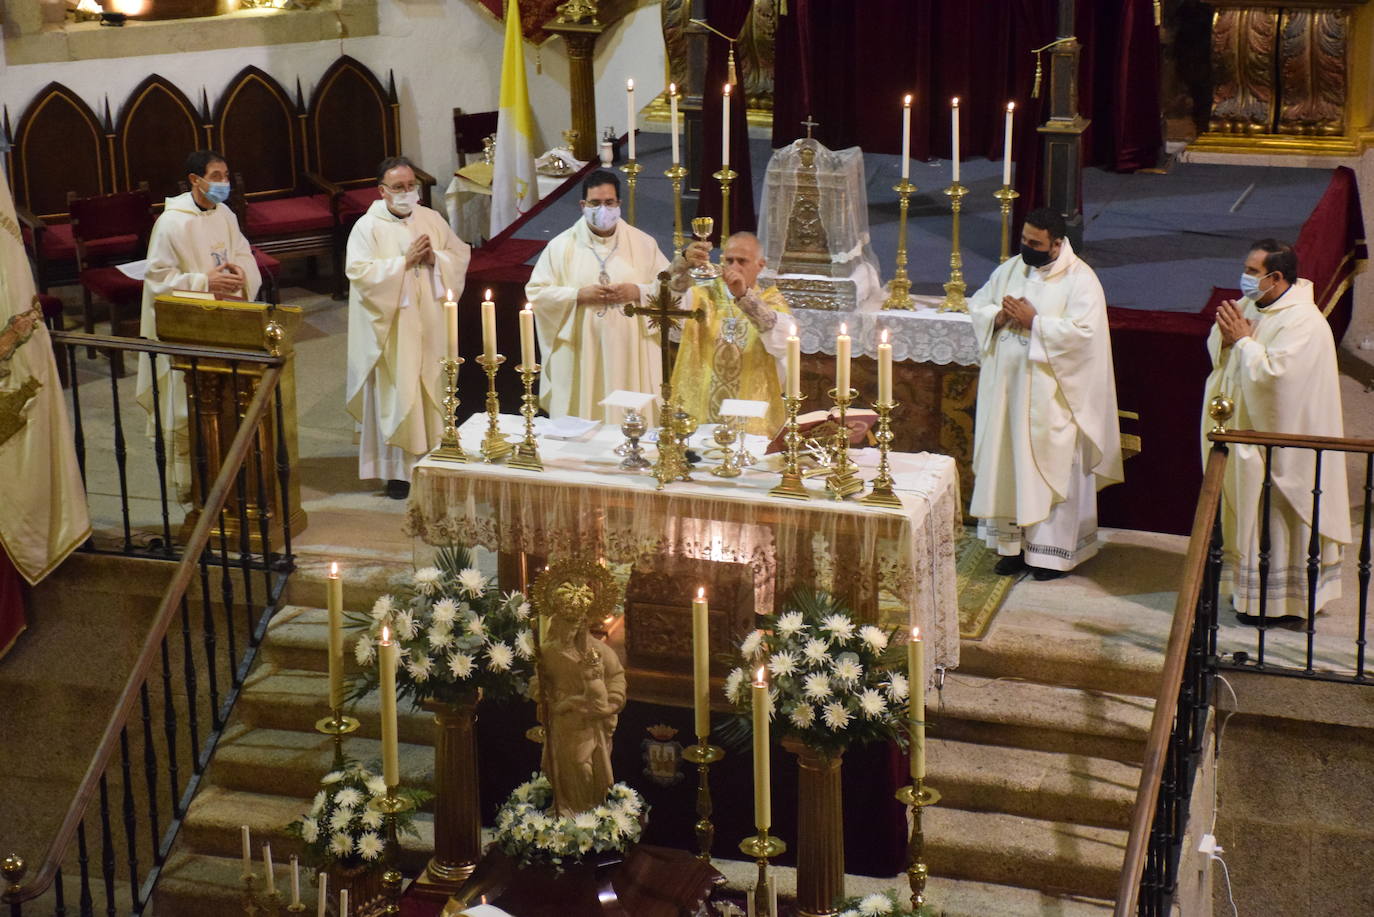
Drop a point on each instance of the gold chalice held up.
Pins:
(702, 227)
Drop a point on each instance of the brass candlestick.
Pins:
(631, 170)
(899, 290)
(918, 796)
(791, 486)
(338, 726)
(675, 175)
(1005, 195)
(526, 453)
(672, 456)
(255, 901)
(450, 449)
(703, 755)
(882, 493)
(954, 289)
(725, 176)
(495, 447)
(843, 480)
(391, 806)
(762, 848)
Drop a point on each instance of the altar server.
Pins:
(196, 244)
(738, 350)
(402, 261)
(1046, 437)
(1274, 357)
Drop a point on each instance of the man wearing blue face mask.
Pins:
(1274, 357)
(196, 244)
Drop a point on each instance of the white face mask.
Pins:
(601, 217)
(405, 201)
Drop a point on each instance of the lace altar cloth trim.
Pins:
(920, 336)
(583, 502)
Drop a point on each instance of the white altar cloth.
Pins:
(922, 335)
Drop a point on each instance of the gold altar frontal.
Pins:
(893, 566)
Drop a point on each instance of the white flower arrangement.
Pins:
(880, 904)
(527, 830)
(343, 825)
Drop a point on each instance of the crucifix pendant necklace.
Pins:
(603, 278)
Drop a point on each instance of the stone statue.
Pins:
(579, 684)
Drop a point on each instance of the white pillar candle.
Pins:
(451, 320)
(916, 705)
(267, 862)
(884, 370)
(247, 851)
(1006, 147)
(334, 593)
(672, 118)
(842, 342)
(386, 660)
(343, 902)
(701, 666)
(763, 807)
(322, 900)
(295, 881)
(954, 132)
(630, 113)
(725, 128)
(793, 364)
(489, 328)
(906, 138)
(527, 336)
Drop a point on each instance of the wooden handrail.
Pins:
(1166, 701)
(1329, 443)
(234, 458)
(164, 348)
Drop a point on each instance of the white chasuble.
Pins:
(1283, 379)
(186, 244)
(397, 334)
(1046, 436)
(590, 351)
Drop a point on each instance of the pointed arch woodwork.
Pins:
(60, 146)
(158, 127)
(259, 128)
(351, 125)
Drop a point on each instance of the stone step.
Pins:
(1024, 714)
(292, 699)
(1086, 661)
(209, 886)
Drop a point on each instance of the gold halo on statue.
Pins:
(579, 587)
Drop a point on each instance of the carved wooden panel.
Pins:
(1312, 72)
(60, 146)
(1244, 42)
(158, 129)
(351, 126)
(257, 128)
(658, 613)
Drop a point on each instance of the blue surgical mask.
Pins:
(1250, 286)
(217, 191)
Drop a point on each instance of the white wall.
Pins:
(446, 55)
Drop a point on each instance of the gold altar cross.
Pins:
(808, 124)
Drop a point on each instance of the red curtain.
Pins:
(11, 603)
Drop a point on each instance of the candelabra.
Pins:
(918, 796)
(1005, 195)
(495, 447)
(450, 448)
(672, 454)
(954, 288)
(526, 453)
(882, 493)
(762, 848)
(725, 176)
(391, 806)
(703, 755)
(843, 481)
(791, 485)
(675, 175)
(899, 290)
(631, 170)
(338, 726)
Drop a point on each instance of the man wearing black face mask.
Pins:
(1046, 437)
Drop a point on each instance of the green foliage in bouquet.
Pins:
(343, 826)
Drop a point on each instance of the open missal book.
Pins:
(821, 424)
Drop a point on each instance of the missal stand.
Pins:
(218, 392)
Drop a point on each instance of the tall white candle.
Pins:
(343, 902)
(793, 364)
(451, 324)
(334, 593)
(672, 118)
(842, 342)
(267, 862)
(763, 806)
(295, 881)
(1006, 147)
(489, 328)
(527, 336)
(630, 113)
(916, 705)
(701, 666)
(884, 370)
(954, 132)
(391, 766)
(247, 850)
(322, 900)
(906, 138)
(725, 128)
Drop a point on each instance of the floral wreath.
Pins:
(529, 832)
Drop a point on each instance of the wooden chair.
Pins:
(158, 128)
(469, 130)
(95, 220)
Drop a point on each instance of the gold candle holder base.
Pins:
(762, 847)
(899, 290)
(791, 487)
(954, 288)
(338, 726)
(917, 796)
(703, 755)
(391, 806)
(843, 480)
(295, 908)
(495, 447)
(883, 493)
(725, 176)
(631, 170)
(672, 464)
(526, 452)
(1005, 196)
(255, 901)
(675, 175)
(450, 449)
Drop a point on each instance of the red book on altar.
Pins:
(823, 423)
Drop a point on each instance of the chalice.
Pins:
(702, 228)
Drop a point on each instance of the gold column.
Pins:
(820, 830)
(457, 807)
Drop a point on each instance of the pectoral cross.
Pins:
(808, 124)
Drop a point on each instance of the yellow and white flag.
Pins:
(514, 189)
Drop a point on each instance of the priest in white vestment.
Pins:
(579, 286)
(1046, 437)
(1274, 357)
(402, 261)
(196, 244)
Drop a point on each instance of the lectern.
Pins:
(218, 392)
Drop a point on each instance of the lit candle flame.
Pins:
(884, 336)
(906, 101)
(727, 90)
(487, 295)
(672, 89)
(701, 592)
(954, 103)
(448, 295)
(1011, 106)
(630, 85)
(334, 569)
(386, 634)
(794, 329)
(529, 307)
(844, 328)
(759, 676)
(915, 633)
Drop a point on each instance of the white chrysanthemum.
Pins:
(836, 716)
(420, 667)
(440, 638)
(364, 650)
(405, 624)
(524, 644)
(310, 830)
(781, 664)
(847, 669)
(341, 844)
(802, 716)
(624, 822)
(734, 684)
(318, 803)
(340, 819)
(522, 611)
(816, 686)
(789, 623)
(349, 798)
(332, 777)
(500, 657)
(750, 645)
(383, 608)
(444, 611)
(472, 581)
(476, 626)
(427, 579)
(587, 821)
(376, 785)
(370, 846)
(839, 626)
(874, 637)
(817, 652)
(875, 904)
(460, 665)
(872, 703)
(898, 688)
(371, 818)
